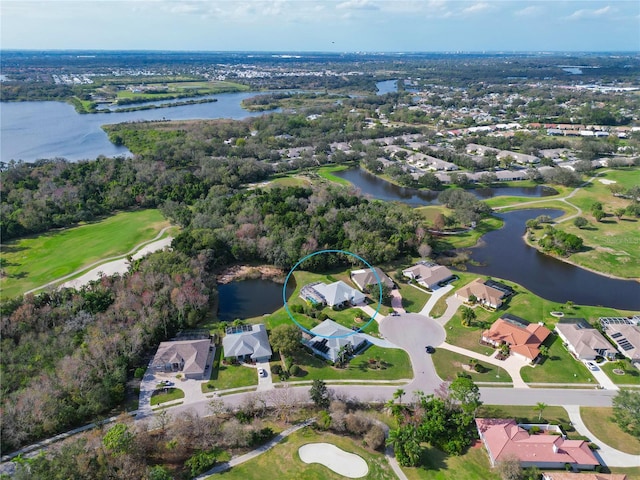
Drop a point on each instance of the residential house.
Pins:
(518, 157)
(365, 277)
(334, 294)
(247, 343)
(625, 332)
(480, 149)
(582, 476)
(510, 175)
(582, 340)
(504, 438)
(330, 337)
(484, 294)
(429, 275)
(523, 338)
(188, 357)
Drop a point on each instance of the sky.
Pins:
(322, 25)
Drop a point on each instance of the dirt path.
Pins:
(101, 262)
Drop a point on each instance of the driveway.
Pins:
(435, 296)
(412, 332)
(396, 300)
(264, 383)
(603, 379)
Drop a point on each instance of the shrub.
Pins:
(295, 370)
(139, 373)
(297, 308)
(375, 438)
(535, 429)
(288, 361)
(276, 369)
(479, 368)
(261, 436)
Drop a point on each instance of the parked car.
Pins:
(166, 383)
(592, 366)
(262, 372)
(429, 349)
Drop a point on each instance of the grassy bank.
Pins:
(599, 422)
(34, 261)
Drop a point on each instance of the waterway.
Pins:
(249, 298)
(376, 187)
(34, 130)
(504, 254)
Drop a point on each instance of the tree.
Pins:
(509, 468)
(626, 411)
(439, 222)
(286, 338)
(468, 316)
(580, 222)
(398, 394)
(118, 439)
(466, 393)
(424, 250)
(619, 212)
(598, 215)
(544, 350)
(540, 406)
(319, 394)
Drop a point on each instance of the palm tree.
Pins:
(398, 394)
(540, 406)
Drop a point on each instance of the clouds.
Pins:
(591, 13)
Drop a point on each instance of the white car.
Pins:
(262, 372)
(592, 366)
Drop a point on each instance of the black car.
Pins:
(429, 349)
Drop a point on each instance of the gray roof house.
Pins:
(363, 278)
(247, 343)
(329, 348)
(428, 274)
(582, 340)
(625, 332)
(518, 157)
(336, 293)
(188, 357)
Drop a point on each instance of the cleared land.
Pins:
(31, 262)
(283, 460)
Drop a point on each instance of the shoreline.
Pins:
(237, 273)
(575, 264)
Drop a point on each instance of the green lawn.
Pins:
(413, 299)
(469, 239)
(631, 374)
(436, 465)
(398, 366)
(162, 396)
(283, 461)
(525, 413)
(448, 364)
(559, 367)
(34, 261)
(229, 376)
(599, 422)
(326, 173)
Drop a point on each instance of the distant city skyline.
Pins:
(322, 25)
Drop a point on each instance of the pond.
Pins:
(504, 254)
(376, 187)
(249, 298)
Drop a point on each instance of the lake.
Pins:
(376, 187)
(249, 298)
(387, 86)
(504, 254)
(33, 130)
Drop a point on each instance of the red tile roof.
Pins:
(525, 341)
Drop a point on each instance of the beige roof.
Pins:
(482, 292)
(193, 353)
(584, 339)
(430, 275)
(629, 332)
(365, 277)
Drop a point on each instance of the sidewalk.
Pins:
(608, 455)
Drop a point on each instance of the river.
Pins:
(504, 254)
(33, 130)
(376, 187)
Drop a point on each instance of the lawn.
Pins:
(598, 421)
(437, 465)
(413, 299)
(559, 367)
(631, 374)
(34, 261)
(449, 364)
(166, 395)
(525, 414)
(470, 238)
(283, 460)
(229, 376)
(326, 173)
(396, 361)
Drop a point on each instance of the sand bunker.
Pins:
(606, 182)
(343, 463)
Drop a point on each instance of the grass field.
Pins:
(162, 396)
(524, 413)
(436, 465)
(283, 460)
(34, 261)
(599, 422)
(449, 364)
(413, 299)
(326, 173)
(631, 374)
(229, 376)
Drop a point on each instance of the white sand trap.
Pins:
(606, 182)
(334, 458)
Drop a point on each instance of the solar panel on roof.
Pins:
(616, 335)
(629, 347)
